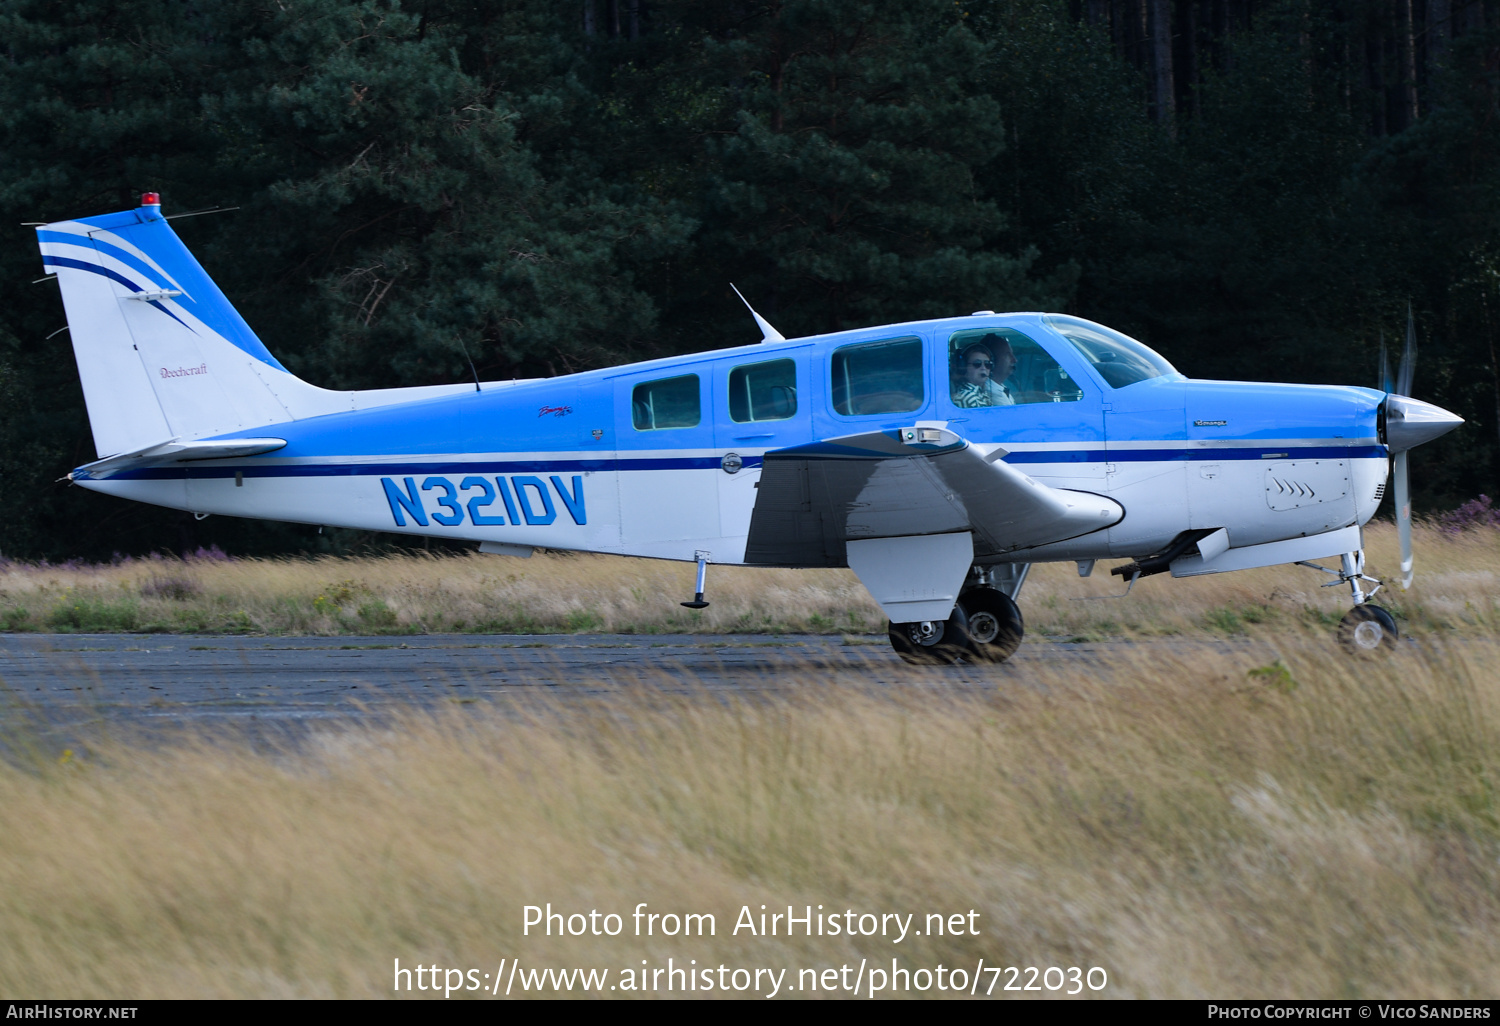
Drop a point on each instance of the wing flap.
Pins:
(813, 500)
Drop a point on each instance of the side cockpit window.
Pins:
(1002, 367)
(763, 391)
(666, 403)
(877, 377)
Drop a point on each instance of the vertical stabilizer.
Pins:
(160, 351)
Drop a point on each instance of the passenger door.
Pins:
(760, 402)
(669, 499)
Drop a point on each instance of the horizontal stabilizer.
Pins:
(174, 451)
(911, 481)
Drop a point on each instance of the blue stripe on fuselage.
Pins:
(1199, 453)
(389, 469)
(539, 466)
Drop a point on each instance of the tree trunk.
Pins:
(1165, 108)
(1439, 32)
(1192, 72)
(1473, 16)
(1408, 62)
(1142, 29)
(1224, 31)
(1375, 72)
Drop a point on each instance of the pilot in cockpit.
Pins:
(983, 368)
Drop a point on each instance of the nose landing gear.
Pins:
(1367, 627)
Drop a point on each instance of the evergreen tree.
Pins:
(98, 102)
(403, 185)
(839, 182)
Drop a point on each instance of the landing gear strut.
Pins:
(1367, 627)
(699, 602)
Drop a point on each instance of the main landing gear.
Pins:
(1367, 627)
(984, 627)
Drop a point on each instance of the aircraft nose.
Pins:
(1410, 422)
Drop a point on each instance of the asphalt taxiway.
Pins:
(60, 683)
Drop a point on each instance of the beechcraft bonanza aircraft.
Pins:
(936, 459)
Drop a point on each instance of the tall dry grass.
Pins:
(1456, 590)
(1206, 823)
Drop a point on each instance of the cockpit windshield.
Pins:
(1119, 359)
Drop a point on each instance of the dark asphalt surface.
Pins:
(67, 686)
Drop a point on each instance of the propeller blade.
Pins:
(1403, 519)
(1408, 356)
(1385, 382)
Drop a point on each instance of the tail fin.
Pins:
(161, 352)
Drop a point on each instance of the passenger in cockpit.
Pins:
(983, 368)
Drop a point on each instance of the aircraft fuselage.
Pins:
(663, 459)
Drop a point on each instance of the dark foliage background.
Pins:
(1258, 188)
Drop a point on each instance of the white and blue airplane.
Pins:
(937, 459)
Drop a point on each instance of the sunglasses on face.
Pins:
(981, 363)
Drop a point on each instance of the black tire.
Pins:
(1367, 628)
(994, 624)
(948, 642)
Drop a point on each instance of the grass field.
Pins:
(1208, 824)
(1270, 819)
(558, 592)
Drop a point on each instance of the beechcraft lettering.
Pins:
(938, 460)
(524, 497)
(183, 372)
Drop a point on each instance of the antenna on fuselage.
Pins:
(768, 333)
(472, 369)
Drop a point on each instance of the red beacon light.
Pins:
(151, 199)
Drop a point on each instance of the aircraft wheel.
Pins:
(945, 641)
(995, 625)
(1366, 628)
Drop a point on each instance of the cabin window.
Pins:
(1002, 367)
(666, 403)
(1119, 359)
(878, 377)
(763, 391)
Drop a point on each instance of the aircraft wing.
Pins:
(922, 480)
(175, 451)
